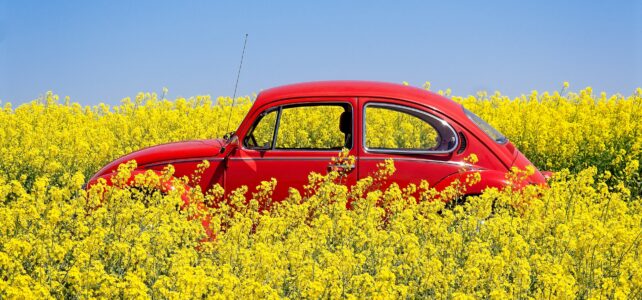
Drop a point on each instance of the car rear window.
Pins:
(485, 127)
(395, 128)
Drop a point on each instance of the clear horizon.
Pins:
(103, 51)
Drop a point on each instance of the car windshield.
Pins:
(489, 130)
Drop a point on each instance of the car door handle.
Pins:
(347, 168)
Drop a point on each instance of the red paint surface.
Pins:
(233, 166)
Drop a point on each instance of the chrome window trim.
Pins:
(404, 109)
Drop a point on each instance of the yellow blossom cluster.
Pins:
(57, 138)
(574, 239)
(579, 238)
(570, 130)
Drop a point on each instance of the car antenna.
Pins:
(236, 85)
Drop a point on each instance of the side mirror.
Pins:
(232, 143)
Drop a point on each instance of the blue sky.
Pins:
(102, 51)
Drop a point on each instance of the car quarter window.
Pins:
(315, 127)
(397, 128)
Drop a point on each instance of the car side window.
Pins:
(262, 133)
(315, 127)
(397, 128)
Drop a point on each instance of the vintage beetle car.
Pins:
(351, 111)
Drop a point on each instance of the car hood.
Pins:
(167, 153)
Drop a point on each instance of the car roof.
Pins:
(352, 88)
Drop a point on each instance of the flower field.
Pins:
(580, 238)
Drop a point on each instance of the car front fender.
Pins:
(164, 185)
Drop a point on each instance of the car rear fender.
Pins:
(468, 185)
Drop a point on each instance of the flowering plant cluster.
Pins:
(580, 237)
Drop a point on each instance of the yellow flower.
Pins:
(579, 236)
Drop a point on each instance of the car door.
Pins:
(420, 142)
(289, 140)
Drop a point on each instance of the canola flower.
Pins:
(580, 238)
(571, 130)
(554, 130)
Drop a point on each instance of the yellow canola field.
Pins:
(580, 238)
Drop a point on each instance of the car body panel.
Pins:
(234, 165)
(289, 167)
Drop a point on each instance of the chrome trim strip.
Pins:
(180, 161)
(334, 150)
(419, 160)
(328, 159)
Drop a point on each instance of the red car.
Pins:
(427, 135)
